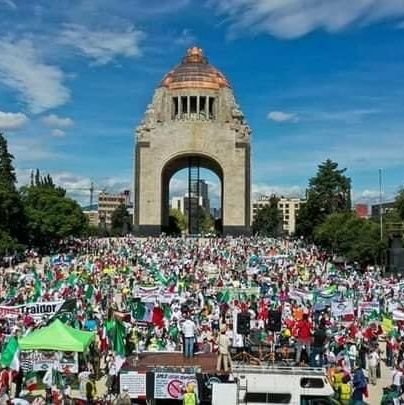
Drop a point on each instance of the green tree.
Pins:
(400, 203)
(355, 238)
(50, 214)
(120, 221)
(206, 223)
(329, 192)
(181, 219)
(268, 220)
(12, 220)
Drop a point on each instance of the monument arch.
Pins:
(193, 122)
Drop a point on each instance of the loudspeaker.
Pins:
(275, 321)
(243, 323)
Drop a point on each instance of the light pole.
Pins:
(381, 202)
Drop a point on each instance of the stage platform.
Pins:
(149, 360)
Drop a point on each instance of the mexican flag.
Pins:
(10, 354)
(143, 311)
(328, 292)
(31, 381)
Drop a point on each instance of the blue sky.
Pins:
(316, 79)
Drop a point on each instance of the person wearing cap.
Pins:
(124, 397)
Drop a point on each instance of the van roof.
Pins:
(303, 371)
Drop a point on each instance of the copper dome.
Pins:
(195, 72)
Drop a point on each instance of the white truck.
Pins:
(258, 385)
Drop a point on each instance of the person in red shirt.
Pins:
(304, 333)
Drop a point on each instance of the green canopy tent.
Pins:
(57, 337)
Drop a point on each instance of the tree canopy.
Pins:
(268, 219)
(329, 192)
(120, 221)
(51, 216)
(354, 238)
(399, 203)
(12, 229)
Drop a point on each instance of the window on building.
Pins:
(202, 107)
(280, 205)
(184, 105)
(174, 108)
(211, 108)
(193, 105)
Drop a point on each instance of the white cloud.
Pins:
(10, 121)
(259, 189)
(186, 38)
(102, 46)
(9, 3)
(54, 121)
(58, 133)
(348, 116)
(294, 18)
(77, 186)
(280, 116)
(22, 68)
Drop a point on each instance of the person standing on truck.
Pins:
(223, 355)
(304, 333)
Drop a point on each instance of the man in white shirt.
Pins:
(188, 330)
(397, 378)
(373, 361)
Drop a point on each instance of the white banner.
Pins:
(398, 315)
(135, 383)
(366, 308)
(342, 308)
(65, 362)
(172, 385)
(37, 310)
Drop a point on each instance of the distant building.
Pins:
(92, 216)
(387, 207)
(108, 203)
(183, 203)
(288, 206)
(216, 212)
(362, 210)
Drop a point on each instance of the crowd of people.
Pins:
(185, 295)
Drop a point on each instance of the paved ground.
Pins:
(376, 391)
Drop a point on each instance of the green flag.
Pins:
(167, 311)
(118, 341)
(89, 292)
(10, 353)
(37, 288)
(224, 296)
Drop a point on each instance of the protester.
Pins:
(223, 355)
(179, 295)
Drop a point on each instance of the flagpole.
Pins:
(381, 203)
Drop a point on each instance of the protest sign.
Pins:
(172, 385)
(37, 310)
(368, 308)
(342, 308)
(135, 383)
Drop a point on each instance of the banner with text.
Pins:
(172, 385)
(37, 310)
